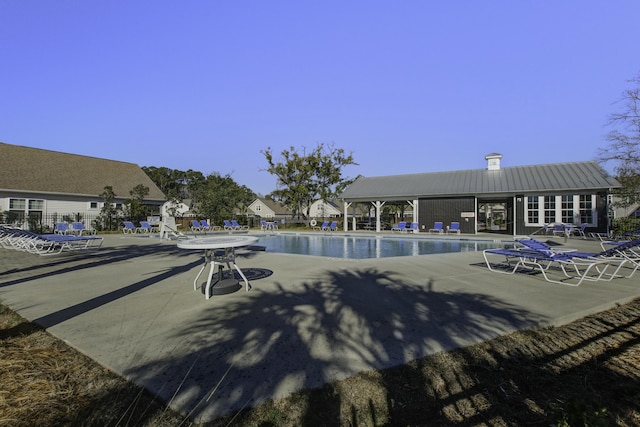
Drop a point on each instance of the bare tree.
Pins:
(624, 145)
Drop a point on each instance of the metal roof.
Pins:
(557, 177)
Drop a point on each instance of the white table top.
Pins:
(218, 242)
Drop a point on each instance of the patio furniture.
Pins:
(205, 226)
(128, 227)
(145, 227)
(321, 227)
(218, 252)
(238, 226)
(62, 228)
(79, 229)
(437, 227)
(401, 227)
(573, 270)
(454, 228)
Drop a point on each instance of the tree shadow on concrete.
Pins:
(251, 350)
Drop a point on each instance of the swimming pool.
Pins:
(354, 247)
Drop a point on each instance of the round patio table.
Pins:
(218, 251)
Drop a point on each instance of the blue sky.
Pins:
(406, 86)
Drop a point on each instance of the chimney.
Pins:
(493, 161)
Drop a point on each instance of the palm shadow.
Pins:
(295, 337)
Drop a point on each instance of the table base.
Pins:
(222, 287)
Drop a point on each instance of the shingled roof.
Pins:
(538, 179)
(35, 170)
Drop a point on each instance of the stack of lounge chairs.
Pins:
(203, 226)
(46, 244)
(567, 267)
(232, 225)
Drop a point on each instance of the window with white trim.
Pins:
(17, 205)
(567, 209)
(549, 209)
(533, 210)
(587, 204)
(577, 209)
(21, 208)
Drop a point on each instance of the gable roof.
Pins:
(276, 207)
(35, 170)
(575, 176)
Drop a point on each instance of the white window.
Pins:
(36, 205)
(21, 208)
(549, 209)
(573, 209)
(17, 204)
(533, 210)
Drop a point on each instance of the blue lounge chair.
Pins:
(333, 226)
(145, 227)
(574, 270)
(128, 227)
(619, 254)
(579, 231)
(454, 228)
(195, 225)
(46, 244)
(437, 227)
(62, 228)
(325, 225)
(79, 229)
(238, 226)
(401, 226)
(414, 227)
(228, 225)
(205, 226)
(559, 229)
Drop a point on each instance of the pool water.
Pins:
(352, 247)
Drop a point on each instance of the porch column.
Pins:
(414, 206)
(346, 216)
(378, 205)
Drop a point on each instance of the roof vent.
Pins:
(493, 161)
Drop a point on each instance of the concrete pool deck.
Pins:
(307, 320)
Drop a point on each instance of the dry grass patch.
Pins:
(585, 373)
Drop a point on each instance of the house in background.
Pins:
(268, 209)
(50, 186)
(321, 209)
(632, 211)
(176, 209)
(518, 200)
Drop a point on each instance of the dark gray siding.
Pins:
(447, 210)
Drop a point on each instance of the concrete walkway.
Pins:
(307, 321)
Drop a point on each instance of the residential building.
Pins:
(325, 209)
(46, 186)
(268, 209)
